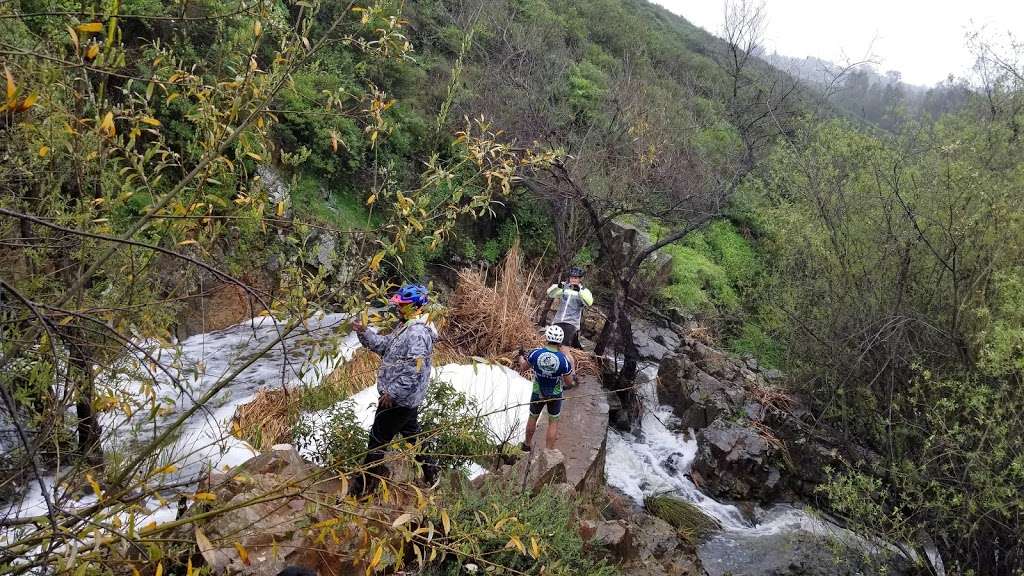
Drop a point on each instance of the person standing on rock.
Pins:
(401, 382)
(573, 299)
(551, 369)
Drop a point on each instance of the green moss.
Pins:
(709, 269)
(342, 210)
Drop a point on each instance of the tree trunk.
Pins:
(88, 427)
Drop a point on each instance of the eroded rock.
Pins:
(736, 461)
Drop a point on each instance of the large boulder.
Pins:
(695, 396)
(658, 550)
(611, 535)
(583, 430)
(653, 342)
(270, 501)
(737, 462)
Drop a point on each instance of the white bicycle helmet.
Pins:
(554, 334)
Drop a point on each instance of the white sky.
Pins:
(924, 41)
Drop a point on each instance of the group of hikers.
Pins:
(405, 370)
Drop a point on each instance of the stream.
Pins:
(655, 459)
(781, 539)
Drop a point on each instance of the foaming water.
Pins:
(169, 381)
(657, 458)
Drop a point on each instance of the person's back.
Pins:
(551, 367)
(549, 364)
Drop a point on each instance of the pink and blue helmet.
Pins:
(415, 294)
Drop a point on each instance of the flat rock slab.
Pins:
(582, 430)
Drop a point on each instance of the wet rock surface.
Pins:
(583, 429)
(739, 460)
(754, 441)
(797, 552)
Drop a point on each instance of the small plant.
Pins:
(453, 431)
(516, 532)
(692, 524)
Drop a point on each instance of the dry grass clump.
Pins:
(494, 322)
(692, 524)
(267, 419)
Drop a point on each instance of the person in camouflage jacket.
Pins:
(402, 382)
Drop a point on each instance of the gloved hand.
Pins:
(576, 287)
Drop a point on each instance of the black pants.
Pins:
(572, 335)
(387, 423)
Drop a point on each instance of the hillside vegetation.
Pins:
(875, 258)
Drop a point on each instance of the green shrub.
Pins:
(710, 268)
(453, 430)
(485, 522)
(752, 339)
(341, 209)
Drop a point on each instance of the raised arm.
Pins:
(373, 341)
(555, 290)
(587, 296)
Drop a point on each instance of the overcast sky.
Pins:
(924, 41)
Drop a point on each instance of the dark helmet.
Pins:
(576, 271)
(415, 294)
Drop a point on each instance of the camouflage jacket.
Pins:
(405, 360)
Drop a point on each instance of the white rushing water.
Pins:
(309, 354)
(502, 395)
(657, 459)
(197, 364)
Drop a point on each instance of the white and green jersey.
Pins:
(571, 303)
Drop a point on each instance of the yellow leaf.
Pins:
(27, 102)
(446, 522)
(256, 156)
(90, 27)
(280, 209)
(74, 37)
(94, 484)
(534, 547)
(515, 542)
(257, 28)
(107, 125)
(377, 556)
(149, 120)
(188, 567)
(375, 261)
(135, 571)
(166, 469)
(325, 523)
(419, 364)
(371, 199)
(187, 242)
(334, 141)
(243, 554)
(92, 51)
(12, 88)
(204, 496)
(43, 151)
(159, 568)
(401, 520)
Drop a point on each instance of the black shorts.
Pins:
(570, 338)
(553, 404)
